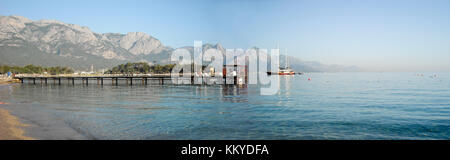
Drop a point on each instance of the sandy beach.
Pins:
(8, 80)
(10, 127)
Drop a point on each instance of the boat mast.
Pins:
(287, 60)
(278, 47)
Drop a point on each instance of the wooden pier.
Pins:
(115, 79)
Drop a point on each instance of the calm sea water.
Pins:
(330, 106)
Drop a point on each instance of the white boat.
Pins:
(286, 70)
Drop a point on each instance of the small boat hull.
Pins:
(291, 73)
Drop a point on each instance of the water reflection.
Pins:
(333, 106)
(287, 83)
(234, 94)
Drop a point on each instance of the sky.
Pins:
(375, 35)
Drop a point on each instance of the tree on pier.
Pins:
(140, 68)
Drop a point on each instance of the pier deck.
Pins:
(128, 79)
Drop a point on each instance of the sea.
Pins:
(312, 106)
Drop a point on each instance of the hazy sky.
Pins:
(377, 35)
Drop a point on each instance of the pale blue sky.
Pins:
(377, 35)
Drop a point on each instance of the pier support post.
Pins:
(145, 81)
(73, 81)
(87, 81)
(116, 81)
(101, 81)
(45, 80)
(131, 81)
(59, 81)
(34, 80)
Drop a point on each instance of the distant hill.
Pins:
(313, 66)
(54, 43)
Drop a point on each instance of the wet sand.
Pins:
(8, 81)
(10, 127)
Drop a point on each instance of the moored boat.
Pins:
(286, 70)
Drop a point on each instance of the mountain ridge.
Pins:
(51, 42)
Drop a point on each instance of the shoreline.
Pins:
(11, 128)
(8, 81)
(37, 125)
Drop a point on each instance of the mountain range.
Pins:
(54, 43)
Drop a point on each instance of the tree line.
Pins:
(140, 68)
(31, 69)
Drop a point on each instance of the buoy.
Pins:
(309, 79)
